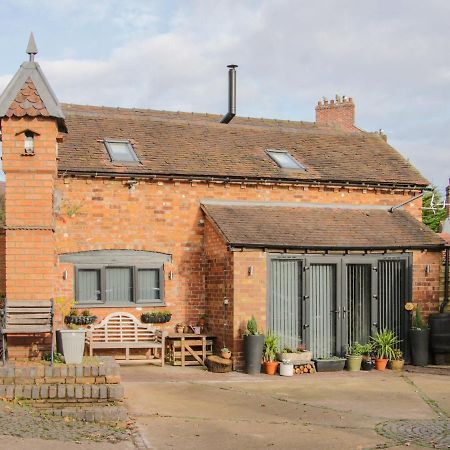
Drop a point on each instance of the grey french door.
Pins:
(330, 302)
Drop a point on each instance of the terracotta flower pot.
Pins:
(270, 367)
(380, 364)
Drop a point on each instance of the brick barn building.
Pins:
(137, 210)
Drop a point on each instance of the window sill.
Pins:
(118, 305)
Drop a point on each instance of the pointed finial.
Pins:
(31, 47)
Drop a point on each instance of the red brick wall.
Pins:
(426, 281)
(249, 294)
(166, 217)
(29, 252)
(2, 263)
(29, 208)
(218, 286)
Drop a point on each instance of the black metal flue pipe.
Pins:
(231, 94)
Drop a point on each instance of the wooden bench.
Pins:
(121, 330)
(26, 317)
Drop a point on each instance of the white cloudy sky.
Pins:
(392, 57)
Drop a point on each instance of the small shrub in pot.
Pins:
(253, 347)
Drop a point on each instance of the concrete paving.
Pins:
(189, 408)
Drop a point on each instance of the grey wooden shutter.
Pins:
(284, 315)
(148, 284)
(322, 321)
(119, 287)
(88, 285)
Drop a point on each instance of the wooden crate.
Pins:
(188, 349)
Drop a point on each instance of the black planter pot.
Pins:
(80, 320)
(419, 341)
(253, 350)
(155, 319)
(366, 364)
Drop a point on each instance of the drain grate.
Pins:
(428, 433)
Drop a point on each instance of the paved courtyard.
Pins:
(188, 408)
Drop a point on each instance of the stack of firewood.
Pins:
(304, 368)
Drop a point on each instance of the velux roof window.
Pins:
(121, 151)
(284, 159)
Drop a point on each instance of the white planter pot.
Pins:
(72, 342)
(286, 370)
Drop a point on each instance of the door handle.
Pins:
(338, 312)
(344, 312)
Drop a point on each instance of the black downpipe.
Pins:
(231, 94)
(446, 280)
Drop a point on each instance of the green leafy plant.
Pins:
(224, 349)
(252, 327)
(384, 343)
(357, 349)
(57, 357)
(270, 346)
(433, 218)
(418, 323)
(398, 355)
(156, 317)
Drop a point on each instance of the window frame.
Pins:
(110, 151)
(271, 151)
(135, 288)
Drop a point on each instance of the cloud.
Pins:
(391, 57)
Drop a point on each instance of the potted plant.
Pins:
(367, 363)
(300, 356)
(354, 357)
(286, 368)
(397, 362)
(384, 343)
(253, 347)
(70, 341)
(419, 336)
(86, 318)
(225, 353)
(156, 317)
(329, 364)
(270, 353)
(202, 320)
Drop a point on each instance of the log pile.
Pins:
(301, 369)
(217, 364)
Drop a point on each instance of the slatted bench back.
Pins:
(122, 327)
(28, 317)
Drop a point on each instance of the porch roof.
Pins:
(267, 225)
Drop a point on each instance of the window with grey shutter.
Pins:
(148, 282)
(119, 284)
(88, 285)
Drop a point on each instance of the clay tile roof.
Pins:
(186, 144)
(27, 102)
(318, 227)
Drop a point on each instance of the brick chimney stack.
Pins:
(339, 112)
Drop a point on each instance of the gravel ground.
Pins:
(26, 422)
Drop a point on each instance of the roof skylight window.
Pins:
(284, 159)
(121, 151)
